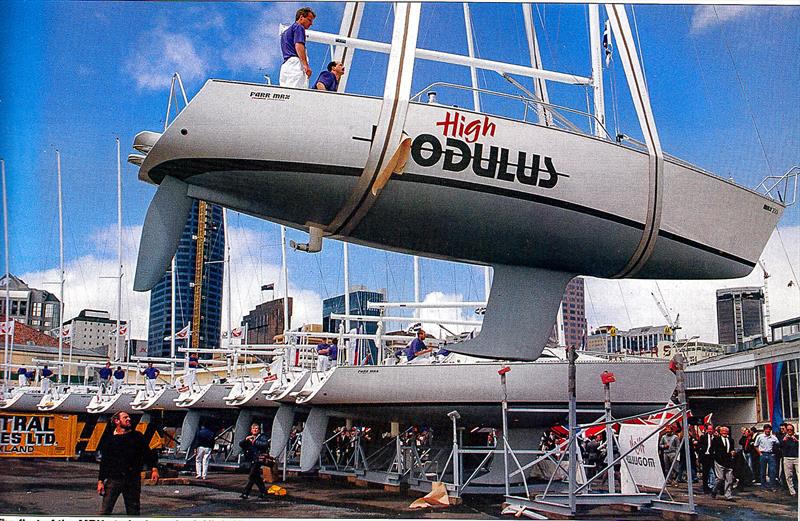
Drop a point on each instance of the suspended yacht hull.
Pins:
(538, 203)
(207, 396)
(485, 189)
(163, 399)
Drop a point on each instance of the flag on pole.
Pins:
(123, 330)
(66, 331)
(184, 333)
(607, 45)
(237, 332)
(7, 328)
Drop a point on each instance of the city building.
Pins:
(204, 234)
(693, 349)
(265, 322)
(94, 329)
(637, 341)
(740, 317)
(31, 344)
(573, 313)
(786, 329)
(37, 308)
(360, 296)
(749, 387)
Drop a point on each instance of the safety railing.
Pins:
(782, 188)
(721, 379)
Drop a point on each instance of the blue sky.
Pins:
(725, 85)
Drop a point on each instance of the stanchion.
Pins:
(573, 424)
(608, 378)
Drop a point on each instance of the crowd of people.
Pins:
(720, 463)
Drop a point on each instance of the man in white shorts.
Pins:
(295, 70)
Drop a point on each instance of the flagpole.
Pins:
(118, 353)
(227, 268)
(61, 262)
(6, 370)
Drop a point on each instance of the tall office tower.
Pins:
(198, 288)
(740, 315)
(573, 313)
(359, 298)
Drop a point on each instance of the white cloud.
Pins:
(612, 302)
(430, 317)
(159, 53)
(707, 16)
(258, 48)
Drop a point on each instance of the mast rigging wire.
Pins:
(744, 95)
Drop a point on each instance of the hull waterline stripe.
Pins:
(192, 167)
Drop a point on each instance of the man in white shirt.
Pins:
(766, 443)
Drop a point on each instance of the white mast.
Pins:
(7, 372)
(172, 321)
(118, 350)
(346, 287)
(597, 70)
(285, 275)
(539, 85)
(473, 74)
(61, 282)
(416, 284)
(227, 268)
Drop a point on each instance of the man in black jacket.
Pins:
(723, 452)
(255, 451)
(706, 457)
(124, 454)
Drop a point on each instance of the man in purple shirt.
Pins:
(295, 70)
(329, 80)
(417, 347)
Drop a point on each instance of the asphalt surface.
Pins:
(40, 487)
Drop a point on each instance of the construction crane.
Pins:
(198, 273)
(767, 331)
(674, 325)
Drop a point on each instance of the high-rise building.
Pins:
(573, 313)
(637, 341)
(204, 234)
(740, 315)
(359, 298)
(37, 308)
(265, 322)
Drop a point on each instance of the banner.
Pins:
(38, 435)
(642, 466)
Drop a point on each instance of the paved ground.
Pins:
(52, 487)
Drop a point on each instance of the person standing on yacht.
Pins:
(119, 376)
(329, 80)
(22, 377)
(46, 380)
(295, 70)
(326, 355)
(150, 375)
(105, 377)
(191, 372)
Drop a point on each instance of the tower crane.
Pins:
(674, 325)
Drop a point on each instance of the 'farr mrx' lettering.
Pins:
(457, 155)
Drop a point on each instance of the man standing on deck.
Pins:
(191, 373)
(124, 453)
(105, 377)
(119, 376)
(295, 70)
(329, 80)
(46, 380)
(150, 375)
(22, 377)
